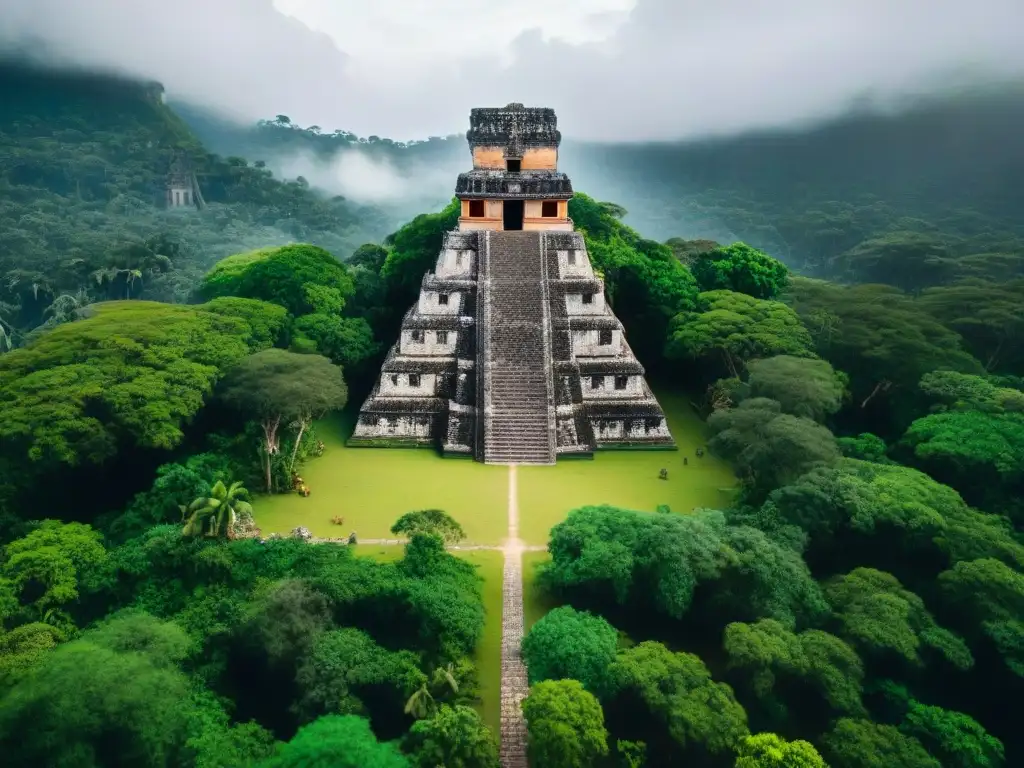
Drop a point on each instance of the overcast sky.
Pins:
(613, 69)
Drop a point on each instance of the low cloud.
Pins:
(670, 69)
(358, 175)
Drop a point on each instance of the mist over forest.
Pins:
(824, 297)
(936, 159)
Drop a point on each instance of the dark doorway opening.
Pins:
(513, 165)
(512, 212)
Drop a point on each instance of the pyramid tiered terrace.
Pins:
(512, 355)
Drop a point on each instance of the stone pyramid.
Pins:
(511, 355)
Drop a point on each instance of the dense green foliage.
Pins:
(860, 601)
(85, 161)
(740, 268)
(866, 609)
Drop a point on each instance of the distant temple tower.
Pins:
(511, 355)
(179, 185)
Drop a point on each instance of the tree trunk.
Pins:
(295, 448)
(994, 356)
(882, 386)
(730, 363)
(197, 193)
(269, 446)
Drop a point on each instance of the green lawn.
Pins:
(535, 602)
(488, 653)
(373, 487)
(487, 657)
(627, 478)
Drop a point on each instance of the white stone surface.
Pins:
(179, 196)
(428, 343)
(430, 303)
(395, 426)
(399, 385)
(587, 344)
(575, 305)
(574, 264)
(455, 262)
(606, 389)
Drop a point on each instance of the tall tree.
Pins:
(958, 740)
(296, 277)
(864, 744)
(336, 741)
(429, 521)
(132, 374)
(278, 387)
(768, 447)
(884, 620)
(802, 386)
(567, 643)
(768, 750)
(731, 328)
(566, 725)
(455, 737)
(741, 268)
(218, 514)
(675, 690)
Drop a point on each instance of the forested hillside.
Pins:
(855, 601)
(934, 186)
(83, 167)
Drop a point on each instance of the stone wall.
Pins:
(455, 262)
(540, 159)
(430, 303)
(575, 304)
(400, 385)
(630, 429)
(428, 343)
(489, 158)
(396, 426)
(606, 387)
(179, 196)
(479, 225)
(588, 344)
(546, 225)
(574, 263)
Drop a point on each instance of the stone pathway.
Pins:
(514, 684)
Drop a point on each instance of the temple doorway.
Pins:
(512, 214)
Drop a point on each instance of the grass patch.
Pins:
(490, 565)
(627, 479)
(487, 656)
(372, 487)
(535, 602)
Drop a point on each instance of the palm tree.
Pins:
(421, 704)
(217, 514)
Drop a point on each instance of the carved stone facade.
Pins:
(512, 354)
(180, 192)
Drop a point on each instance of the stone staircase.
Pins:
(519, 423)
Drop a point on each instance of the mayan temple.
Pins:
(511, 355)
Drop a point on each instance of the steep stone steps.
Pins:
(516, 355)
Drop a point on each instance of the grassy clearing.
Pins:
(373, 487)
(535, 602)
(487, 656)
(627, 479)
(488, 652)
